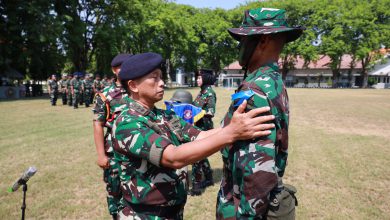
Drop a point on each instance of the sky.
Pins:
(225, 4)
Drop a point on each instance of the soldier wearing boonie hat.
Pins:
(108, 104)
(148, 143)
(258, 164)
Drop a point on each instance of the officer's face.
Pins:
(150, 88)
(199, 80)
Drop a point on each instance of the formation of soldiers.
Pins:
(143, 150)
(76, 89)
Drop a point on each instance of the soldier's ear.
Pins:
(132, 85)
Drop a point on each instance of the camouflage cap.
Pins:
(265, 21)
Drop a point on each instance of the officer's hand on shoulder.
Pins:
(249, 125)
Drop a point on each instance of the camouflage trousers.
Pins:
(53, 98)
(114, 194)
(87, 97)
(128, 213)
(81, 99)
(69, 98)
(76, 99)
(64, 97)
(202, 166)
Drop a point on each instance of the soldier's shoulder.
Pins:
(107, 90)
(128, 118)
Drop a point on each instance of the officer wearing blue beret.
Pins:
(152, 145)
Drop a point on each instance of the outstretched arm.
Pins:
(243, 126)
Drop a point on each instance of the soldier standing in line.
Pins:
(108, 105)
(81, 78)
(87, 88)
(148, 143)
(63, 87)
(206, 99)
(52, 87)
(106, 81)
(97, 84)
(69, 90)
(76, 89)
(253, 169)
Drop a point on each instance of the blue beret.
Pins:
(119, 59)
(140, 65)
(76, 74)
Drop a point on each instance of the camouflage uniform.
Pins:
(53, 85)
(87, 85)
(98, 85)
(77, 87)
(206, 100)
(116, 98)
(69, 95)
(105, 83)
(149, 190)
(63, 86)
(82, 94)
(252, 168)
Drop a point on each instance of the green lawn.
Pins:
(339, 157)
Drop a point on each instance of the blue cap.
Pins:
(76, 74)
(140, 65)
(119, 59)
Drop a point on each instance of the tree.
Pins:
(29, 41)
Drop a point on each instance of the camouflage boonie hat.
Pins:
(265, 21)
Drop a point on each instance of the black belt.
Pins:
(161, 211)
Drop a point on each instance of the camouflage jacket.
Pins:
(106, 83)
(68, 84)
(140, 137)
(206, 99)
(77, 85)
(252, 168)
(53, 85)
(87, 85)
(98, 85)
(63, 84)
(107, 108)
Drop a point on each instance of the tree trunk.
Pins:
(168, 71)
(365, 79)
(335, 77)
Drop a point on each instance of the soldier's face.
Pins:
(149, 88)
(199, 80)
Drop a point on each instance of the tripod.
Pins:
(24, 199)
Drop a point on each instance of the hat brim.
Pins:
(292, 33)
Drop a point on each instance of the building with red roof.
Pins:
(311, 75)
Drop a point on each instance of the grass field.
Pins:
(339, 157)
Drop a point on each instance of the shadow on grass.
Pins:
(217, 175)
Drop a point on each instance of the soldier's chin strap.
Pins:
(247, 47)
(245, 68)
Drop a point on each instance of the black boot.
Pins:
(208, 180)
(196, 189)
